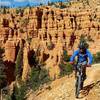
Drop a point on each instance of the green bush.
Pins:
(51, 3)
(4, 10)
(8, 97)
(65, 69)
(20, 11)
(38, 77)
(50, 45)
(96, 58)
(17, 11)
(65, 56)
(22, 31)
(19, 93)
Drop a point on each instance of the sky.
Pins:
(18, 3)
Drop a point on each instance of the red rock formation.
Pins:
(44, 24)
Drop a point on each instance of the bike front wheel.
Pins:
(78, 86)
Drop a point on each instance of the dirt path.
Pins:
(63, 89)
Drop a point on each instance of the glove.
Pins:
(88, 65)
(71, 63)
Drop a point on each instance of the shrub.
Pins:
(20, 11)
(66, 69)
(51, 3)
(38, 77)
(4, 10)
(50, 45)
(96, 58)
(19, 93)
(65, 57)
(17, 11)
(22, 30)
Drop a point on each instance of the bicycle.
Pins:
(79, 79)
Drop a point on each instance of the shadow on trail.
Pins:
(87, 89)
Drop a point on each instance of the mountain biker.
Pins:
(83, 55)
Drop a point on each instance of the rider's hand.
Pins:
(64, 62)
(88, 65)
(71, 63)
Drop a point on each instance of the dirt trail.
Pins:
(63, 89)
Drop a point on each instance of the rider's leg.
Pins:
(83, 77)
(84, 73)
(75, 68)
(75, 73)
(81, 85)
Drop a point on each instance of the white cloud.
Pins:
(5, 3)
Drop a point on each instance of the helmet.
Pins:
(82, 45)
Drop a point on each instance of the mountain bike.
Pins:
(79, 79)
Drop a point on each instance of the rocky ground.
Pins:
(63, 89)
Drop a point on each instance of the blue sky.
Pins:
(16, 3)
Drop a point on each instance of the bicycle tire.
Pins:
(78, 86)
(76, 89)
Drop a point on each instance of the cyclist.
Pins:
(83, 55)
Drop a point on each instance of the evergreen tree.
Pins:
(65, 67)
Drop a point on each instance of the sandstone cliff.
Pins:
(43, 25)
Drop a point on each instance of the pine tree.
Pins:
(2, 70)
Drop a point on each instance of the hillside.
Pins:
(63, 89)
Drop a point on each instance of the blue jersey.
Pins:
(82, 57)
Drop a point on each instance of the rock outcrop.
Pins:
(26, 67)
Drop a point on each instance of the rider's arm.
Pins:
(90, 57)
(73, 56)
